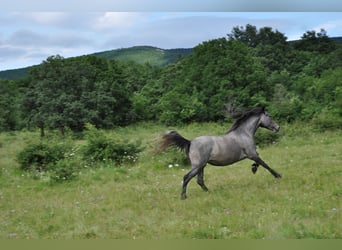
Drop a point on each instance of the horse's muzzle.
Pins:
(276, 129)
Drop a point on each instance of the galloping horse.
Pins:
(237, 144)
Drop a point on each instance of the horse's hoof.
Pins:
(277, 176)
(183, 196)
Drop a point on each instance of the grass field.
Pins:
(143, 201)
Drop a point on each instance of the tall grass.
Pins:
(142, 201)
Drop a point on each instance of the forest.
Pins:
(297, 81)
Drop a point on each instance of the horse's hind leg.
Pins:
(200, 179)
(186, 180)
(199, 171)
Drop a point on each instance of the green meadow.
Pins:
(142, 200)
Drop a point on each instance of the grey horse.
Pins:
(237, 144)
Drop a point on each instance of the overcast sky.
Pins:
(28, 38)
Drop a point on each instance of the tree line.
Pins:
(300, 80)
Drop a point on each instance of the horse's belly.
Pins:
(222, 163)
(225, 159)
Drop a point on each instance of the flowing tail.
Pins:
(173, 139)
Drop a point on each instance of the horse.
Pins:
(237, 144)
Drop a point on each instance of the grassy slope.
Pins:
(143, 201)
(145, 54)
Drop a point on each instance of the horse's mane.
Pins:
(241, 117)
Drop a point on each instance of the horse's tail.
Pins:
(174, 139)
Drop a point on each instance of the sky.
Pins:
(27, 37)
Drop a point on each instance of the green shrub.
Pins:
(327, 120)
(264, 138)
(38, 155)
(100, 148)
(54, 158)
(64, 170)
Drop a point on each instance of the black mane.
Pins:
(240, 117)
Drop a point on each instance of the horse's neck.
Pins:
(250, 126)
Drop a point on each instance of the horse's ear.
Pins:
(263, 108)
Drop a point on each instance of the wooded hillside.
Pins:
(139, 54)
(249, 67)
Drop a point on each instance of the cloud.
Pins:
(168, 31)
(26, 47)
(330, 26)
(33, 40)
(47, 18)
(114, 20)
(183, 30)
(8, 52)
(35, 19)
(25, 38)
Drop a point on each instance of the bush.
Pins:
(264, 138)
(100, 148)
(327, 120)
(38, 155)
(64, 170)
(49, 158)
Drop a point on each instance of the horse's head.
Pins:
(266, 121)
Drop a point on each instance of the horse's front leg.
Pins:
(255, 167)
(258, 161)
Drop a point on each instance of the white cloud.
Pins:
(25, 38)
(8, 52)
(35, 40)
(48, 18)
(110, 20)
(41, 19)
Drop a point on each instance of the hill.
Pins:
(13, 74)
(145, 54)
(337, 39)
(140, 54)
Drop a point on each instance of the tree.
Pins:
(32, 108)
(248, 35)
(56, 86)
(268, 45)
(316, 42)
(253, 37)
(198, 87)
(8, 105)
(67, 93)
